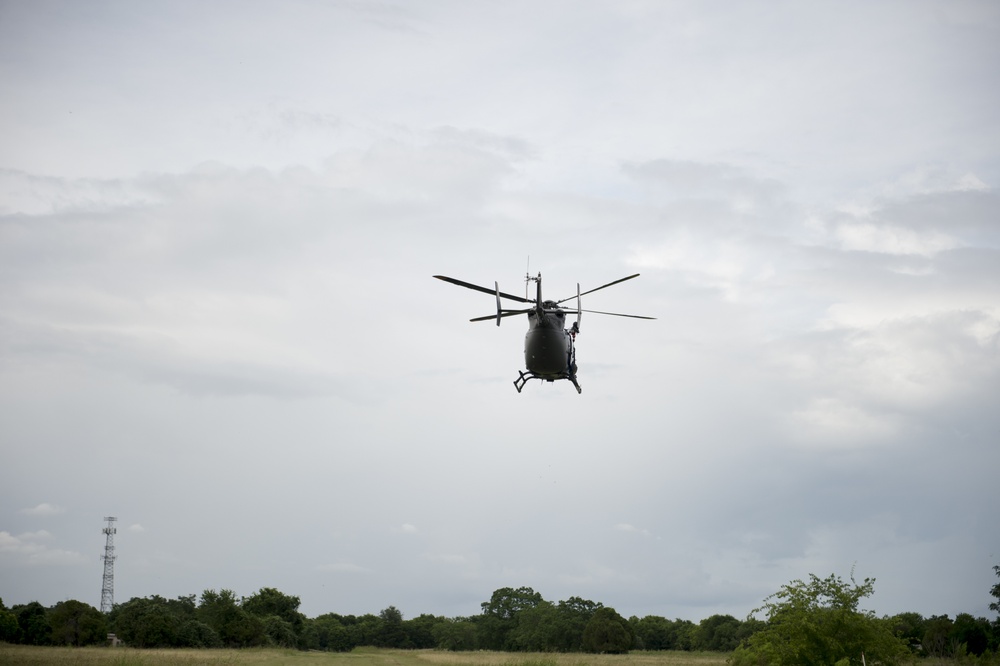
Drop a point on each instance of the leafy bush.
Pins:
(818, 623)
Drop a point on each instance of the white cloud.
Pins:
(626, 527)
(729, 265)
(832, 422)
(44, 509)
(29, 549)
(887, 239)
(930, 180)
(26, 542)
(870, 372)
(136, 527)
(29, 194)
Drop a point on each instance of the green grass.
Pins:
(29, 655)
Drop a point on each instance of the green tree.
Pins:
(572, 618)
(970, 632)
(9, 631)
(182, 608)
(146, 623)
(234, 626)
(995, 606)
(658, 633)
(910, 628)
(937, 636)
(33, 623)
(364, 630)
(193, 633)
(748, 628)
(607, 632)
(279, 632)
(327, 632)
(535, 629)
(269, 601)
(718, 633)
(456, 634)
(420, 631)
(995, 593)
(500, 615)
(652, 632)
(818, 623)
(507, 602)
(158, 622)
(76, 623)
(391, 633)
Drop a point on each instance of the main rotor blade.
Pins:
(613, 314)
(599, 288)
(485, 290)
(504, 313)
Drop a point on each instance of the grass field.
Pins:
(28, 655)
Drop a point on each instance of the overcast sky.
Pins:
(218, 227)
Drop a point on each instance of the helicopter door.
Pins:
(570, 355)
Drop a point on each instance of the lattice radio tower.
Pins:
(108, 590)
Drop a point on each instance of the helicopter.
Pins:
(549, 347)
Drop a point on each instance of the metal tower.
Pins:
(108, 591)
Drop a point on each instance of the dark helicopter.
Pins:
(549, 349)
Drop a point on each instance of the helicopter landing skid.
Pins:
(523, 378)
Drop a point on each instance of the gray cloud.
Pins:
(219, 321)
(44, 509)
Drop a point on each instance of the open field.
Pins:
(27, 655)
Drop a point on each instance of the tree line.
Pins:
(804, 618)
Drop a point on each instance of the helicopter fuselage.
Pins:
(548, 346)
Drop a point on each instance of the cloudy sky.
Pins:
(218, 227)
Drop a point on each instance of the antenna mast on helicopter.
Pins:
(527, 276)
